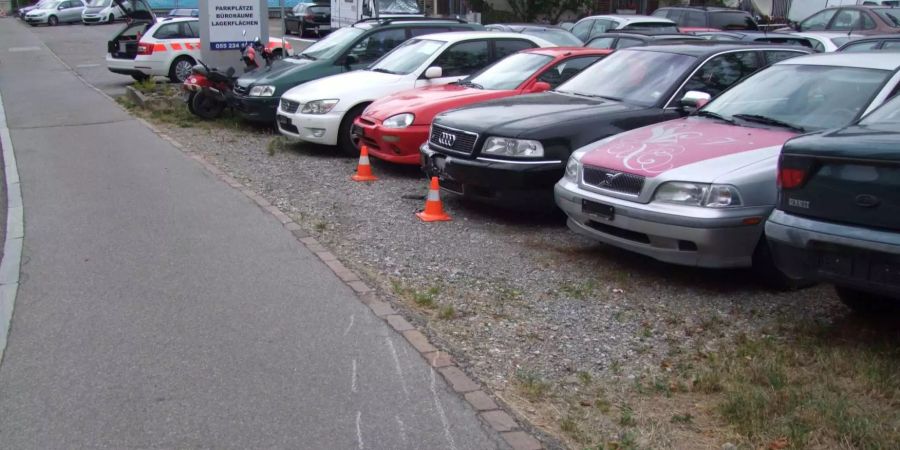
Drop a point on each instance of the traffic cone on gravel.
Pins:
(434, 209)
(363, 169)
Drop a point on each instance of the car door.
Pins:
(64, 12)
(560, 72)
(457, 61)
(720, 72)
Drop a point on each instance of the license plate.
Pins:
(607, 212)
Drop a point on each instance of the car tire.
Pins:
(346, 143)
(181, 69)
(111, 19)
(866, 304)
(140, 76)
(52, 21)
(768, 272)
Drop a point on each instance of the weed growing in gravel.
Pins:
(532, 384)
(585, 377)
(276, 144)
(447, 312)
(626, 416)
(426, 298)
(507, 294)
(145, 86)
(569, 425)
(684, 419)
(320, 226)
(579, 291)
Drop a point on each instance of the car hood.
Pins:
(277, 73)
(344, 85)
(527, 113)
(874, 142)
(432, 98)
(680, 143)
(37, 11)
(94, 9)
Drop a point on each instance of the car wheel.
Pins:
(140, 76)
(769, 273)
(52, 21)
(206, 107)
(181, 69)
(111, 19)
(347, 142)
(865, 303)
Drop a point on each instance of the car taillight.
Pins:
(144, 49)
(790, 178)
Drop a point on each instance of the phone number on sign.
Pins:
(226, 45)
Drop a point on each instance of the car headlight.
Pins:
(519, 148)
(698, 194)
(318, 106)
(399, 121)
(262, 91)
(572, 167)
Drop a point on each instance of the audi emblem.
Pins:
(446, 139)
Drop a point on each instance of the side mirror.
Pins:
(540, 86)
(350, 60)
(61, 7)
(694, 99)
(434, 72)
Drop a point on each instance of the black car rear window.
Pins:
(728, 20)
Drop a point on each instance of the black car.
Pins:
(700, 17)
(308, 17)
(884, 42)
(556, 35)
(632, 39)
(514, 150)
(837, 218)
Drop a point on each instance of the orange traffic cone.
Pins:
(363, 169)
(434, 209)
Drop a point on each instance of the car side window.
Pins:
(375, 45)
(582, 29)
(562, 71)
(891, 45)
(463, 58)
(694, 19)
(167, 31)
(675, 15)
(721, 72)
(602, 25)
(506, 47)
(661, 12)
(192, 29)
(421, 31)
(845, 20)
(601, 42)
(773, 56)
(629, 42)
(860, 47)
(868, 23)
(818, 21)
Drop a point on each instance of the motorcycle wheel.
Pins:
(190, 102)
(206, 107)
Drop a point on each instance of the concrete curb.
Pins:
(136, 96)
(15, 234)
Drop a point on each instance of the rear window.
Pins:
(319, 9)
(654, 26)
(731, 21)
(891, 16)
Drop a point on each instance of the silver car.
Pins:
(55, 12)
(696, 191)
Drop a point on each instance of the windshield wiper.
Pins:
(710, 114)
(769, 121)
(470, 84)
(379, 69)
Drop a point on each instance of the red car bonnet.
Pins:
(654, 149)
(419, 101)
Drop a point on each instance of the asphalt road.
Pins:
(159, 308)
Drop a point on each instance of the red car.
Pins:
(394, 127)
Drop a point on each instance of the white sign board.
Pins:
(232, 23)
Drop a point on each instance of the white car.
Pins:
(590, 26)
(827, 41)
(168, 48)
(101, 11)
(323, 111)
(55, 12)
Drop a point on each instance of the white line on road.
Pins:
(390, 344)
(359, 430)
(86, 66)
(353, 378)
(440, 410)
(23, 49)
(402, 430)
(348, 326)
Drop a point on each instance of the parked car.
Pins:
(696, 191)
(512, 151)
(617, 40)
(567, 25)
(101, 11)
(169, 47)
(395, 126)
(771, 37)
(587, 28)
(323, 111)
(827, 41)
(702, 18)
(21, 12)
(256, 94)
(556, 35)
(305, 17)
(184, 12)
(884, 42)
(837, 217)
(55, 12)
(866, 20)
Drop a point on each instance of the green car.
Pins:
(256, 94)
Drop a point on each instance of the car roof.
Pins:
(864, 60)
(631, 18)
(456, 36)
(824, 34)
(538, 26)
(643, 34)
(386, 22)
(878, 37)
(177, 19)
(562, 51)
(706, 48)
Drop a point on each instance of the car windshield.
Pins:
(887, 114)
(631, 76)
(561, 38)
(99, 3)
(509, 72)
(332, 44)
(407, 57)
(890, 15)
(804, 97)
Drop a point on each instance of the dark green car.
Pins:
(256, 94)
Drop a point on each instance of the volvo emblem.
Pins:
(866, 200)
(446, 139)
(610, 178)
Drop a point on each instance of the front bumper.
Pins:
(690, 236)
(857, 257)
(396, 145)
(91, 19)
(36, 19)
(315, 128)
(517, 184)
(255, 109)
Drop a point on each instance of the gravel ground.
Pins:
(526, 293)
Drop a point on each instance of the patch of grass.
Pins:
(569, 426)
(646, 332)
(447, 312)
(584, 377)
(579, 291)
(684, 419)
(626, 416)
(320, 226)
(145, 86)
(532, 384)
(508, 294)
(426, 298)
(276, 144)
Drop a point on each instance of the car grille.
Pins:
(454, 140)
(289, 106)
(238, 89)
(613, 180)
